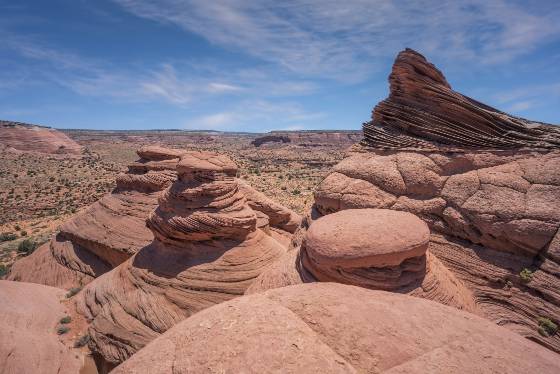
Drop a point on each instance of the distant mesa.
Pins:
(333, 328)
(39, 139)
(309, 138)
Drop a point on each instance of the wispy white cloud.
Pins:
(529, 97)
(346, 39)
(270, 115)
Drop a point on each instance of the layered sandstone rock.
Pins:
(378, 249)
(486, 183)
(333, 328)
(106, 233)
(29, 343)
(207, 250)
(40, 139)
(422, 111)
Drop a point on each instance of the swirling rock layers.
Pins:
(106, 233)
(423, 112)
(207, 250)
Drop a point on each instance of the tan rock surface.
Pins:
(207, 250)
(29, 343)
(333, 328)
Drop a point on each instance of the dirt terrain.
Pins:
(39, 192)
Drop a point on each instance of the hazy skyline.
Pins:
(267, 65)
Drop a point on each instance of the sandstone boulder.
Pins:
(333, 328)
(379, 249)
(207, 249)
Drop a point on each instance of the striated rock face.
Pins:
(378, 249)
(207, 249)
(327, 328)
(32, 138)
(29, 344)
(487, 184)
(422, 111)
(106, 233)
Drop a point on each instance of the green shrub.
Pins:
(3, 270)
(17, 227)
(71, 292)
(65, 320)
(27, 246)
(61, 330)
(23, 233)
(82, 341)
(296, 192)
(526, 275)
(547, 327)
(7, 236)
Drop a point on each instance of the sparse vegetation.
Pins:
(65, 320)
(81, 341)
(73, 291)
(526, 275)
(61, 330)
(547, 327)
(7, 236)
(27, 246)
(3, 270)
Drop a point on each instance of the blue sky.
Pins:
(264, 65)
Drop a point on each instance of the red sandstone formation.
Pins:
(422, 111)
(29, 343)
(486, 183)
(378, 249)
(332, 328)
(40, 139)
(108, 232)
(207, 250)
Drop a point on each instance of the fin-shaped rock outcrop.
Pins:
(379, 249)
(334, 328)
(486, 183)
(106, 233)
(29, 316)
(207, 249)
(38, 139)
(422, 111)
